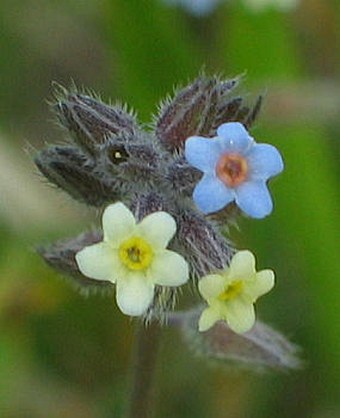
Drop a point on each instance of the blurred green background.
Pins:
(62, 355)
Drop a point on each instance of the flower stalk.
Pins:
(143, 365)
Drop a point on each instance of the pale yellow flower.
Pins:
(134, 257)
(231, 294)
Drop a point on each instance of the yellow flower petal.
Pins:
(134, 294)
(158, 229)
(208, 318)
(240, 315)
(211, 286)
(168, 269)
(242, 265)
(263, 283)
(118, 223)
(99, 261)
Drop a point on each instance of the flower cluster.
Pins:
(157, 192)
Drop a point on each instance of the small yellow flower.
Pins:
(231, 294)
(134, 257)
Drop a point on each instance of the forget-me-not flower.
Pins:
(231, 294)
(235, 168)
(134, 257)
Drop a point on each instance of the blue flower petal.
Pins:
(264, 161)
(234, 137)
(202, 153)
(211, 195)
(254, 199)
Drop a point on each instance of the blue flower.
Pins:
(235, 168)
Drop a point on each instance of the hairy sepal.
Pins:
(203, 246)
(91, 121)
(61, 256)
(199, 108)
(262, 348)
(192, 111)
(75, 173)
(182, 177)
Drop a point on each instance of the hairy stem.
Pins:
(143, 367)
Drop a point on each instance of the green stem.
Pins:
(143, 366)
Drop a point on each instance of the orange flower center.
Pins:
(232, 169)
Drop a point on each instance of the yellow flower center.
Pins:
(232, 291)
(232, 169)
(135, 253)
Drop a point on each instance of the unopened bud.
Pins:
(258, 349)
(191, 112)
(73, 172)
(182, 176)
(89, 120)
(61, 256)
(204, 247)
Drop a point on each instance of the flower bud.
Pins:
(228, 111)
(61, 256)
(182, 177)
(89, 120)
(190, 112)
(73, 172)
(142, 204)
(258, 349)
(199, 109)
(204, 247)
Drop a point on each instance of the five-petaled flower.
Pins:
(235, 168)
(231, 294)
(134, 257)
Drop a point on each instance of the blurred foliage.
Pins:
(65, 356)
